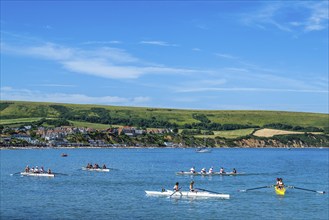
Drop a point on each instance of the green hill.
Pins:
(18, 112)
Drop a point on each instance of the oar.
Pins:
(175, 192)
(261, 187)
(311, 190)
(208, 191)
(14, 173)
(64, 174)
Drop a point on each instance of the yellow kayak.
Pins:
(280, 191)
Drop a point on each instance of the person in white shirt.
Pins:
(203, 171)
(210, 170)
(221, 170)
(192, 170)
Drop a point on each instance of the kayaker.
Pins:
(176, 187)
(234, 170)
(221, 170)
(192, 186)
(192, 170)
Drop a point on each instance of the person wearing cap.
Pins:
(210, 170)
(234, 171)
(221, 170)
(192, 170)
(203, 171)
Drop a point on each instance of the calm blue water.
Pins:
(120, 194)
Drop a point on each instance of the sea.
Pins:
(120, 194)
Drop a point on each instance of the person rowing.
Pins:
(42, 170)
(211, 170)
(234, 171)
(279, 183)
(27, 169)
(203, 171)
(104, 166)
(192, 187)
(96, 166)
(222, 170)
(89, 166)
(192, 170)
(176, 187)
(49, 171)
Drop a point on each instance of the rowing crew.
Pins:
(176, 187)
(96, 166)
(211, 170)
(36, 170)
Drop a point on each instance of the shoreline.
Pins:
(133, 147)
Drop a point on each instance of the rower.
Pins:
(203, 171)
(192, 187)
(36, 170)
(49, 171)
(176, 187)
(27, 169)
(234, 171)
(192, 170)
(279, 183)
(210, 170)
(104, 166)
(42, 170)
(221, 170)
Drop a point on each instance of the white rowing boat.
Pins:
(37, 174)
(98, 169)
(188, 194)
(209, 174)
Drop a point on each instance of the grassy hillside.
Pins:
(15, 111)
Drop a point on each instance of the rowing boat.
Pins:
(187, 194)
(37, 174)
(96, 169)
(280, 191)
(209, 174)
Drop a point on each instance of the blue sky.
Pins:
(216, 55)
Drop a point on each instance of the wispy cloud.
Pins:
(241, 89)
(159, 43)
(290, 16)
(226, 56)
(53, 85)
(9, 93)
(102, 42)
(107, 62)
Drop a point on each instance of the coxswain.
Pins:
(234, 171)
(192, 170)
(221, 170)
(49, 171)
(176, 187)
(27, 169)
(203, 171)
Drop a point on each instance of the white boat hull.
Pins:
(209, 174)
(97, 170)
(187, 194)
(38, 174)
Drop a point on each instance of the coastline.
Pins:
(134, 147)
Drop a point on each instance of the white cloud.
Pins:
(241, 89)
(159, 43)
(9, 93)
(104, 62)
(226, 56)
(290, 16)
